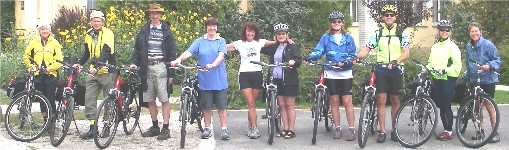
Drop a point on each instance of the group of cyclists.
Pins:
(155, 51)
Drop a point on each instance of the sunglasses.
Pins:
(389, 15)
(446, 30)
(337, 21)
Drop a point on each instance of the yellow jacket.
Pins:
(101, 50)
(48, 53)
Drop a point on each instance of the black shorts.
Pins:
(387, 82)
(489, 89)
(251, 80)
(339, 86)
(286, 90)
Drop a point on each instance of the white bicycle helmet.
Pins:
(281, 27)
(97, 14)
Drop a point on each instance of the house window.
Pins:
(438, 5)
(354, 12)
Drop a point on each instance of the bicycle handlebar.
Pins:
(284, 65)
(479, 65)
(115, 67)
(438, 72)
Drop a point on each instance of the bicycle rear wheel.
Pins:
(62, 120)
(183, 119)
(365, 121)
(131, 111)
(197, 113)
(317, 111)
(106, 122)
(479, 119)
(278, 123)
(414, 130)
(23, 117)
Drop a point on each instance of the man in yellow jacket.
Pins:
(99, 46)
(45, 51)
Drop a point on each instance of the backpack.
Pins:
(399, 33)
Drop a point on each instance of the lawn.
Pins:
(502, 97)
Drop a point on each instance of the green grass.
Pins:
(4, 100)
(502, 97)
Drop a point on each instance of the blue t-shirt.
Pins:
(278, 58)
(208, 50)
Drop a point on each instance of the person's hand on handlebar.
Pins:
(291, 63)
(392, 64)
(175, 62)
(92, 71)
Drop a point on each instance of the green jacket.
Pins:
(445, 55)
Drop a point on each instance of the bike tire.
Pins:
(131, 111)
(318, 106)
(11, 124)
(272, 116)
(465, 136)
(63, 113)
(183, 119)
(278, 123)
(364, 121)
(422, 109)
(106, 122)
(197, 113)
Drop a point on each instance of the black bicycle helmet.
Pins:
(444, 24)
(281, 27)
(336, 15)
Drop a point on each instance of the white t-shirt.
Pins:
(249, 51)
(347, 74)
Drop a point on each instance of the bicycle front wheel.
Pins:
(131, 111)
(364, 120)
(26, 116)
(272, 116)
(317, 110)
(417, 128)
(183, 119)
(106, 122)
(62, 120)
(478, 120)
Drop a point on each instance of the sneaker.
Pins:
(495, 139)
(164, 134)
(444, 136)
(225, 134)
(87, 135)
(381, 137)
(393, 136)
(479, 135)
(206, 133)
(255, 133)
(337, 134)
(152, 131)
(352, 135)
(248, 132)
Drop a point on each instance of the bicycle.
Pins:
(190, 106)
(117, 106)
(422, 110)
(368, 120)
(321, 109)
(28, 125)
(271, 106)
(64, 110)
(473, 110)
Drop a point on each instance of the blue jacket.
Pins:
(484, 52)
(343, 51)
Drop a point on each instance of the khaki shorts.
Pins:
(156, 82)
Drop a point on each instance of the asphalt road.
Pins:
(237, 124)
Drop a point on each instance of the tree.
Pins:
(410, 13)
(492, 15)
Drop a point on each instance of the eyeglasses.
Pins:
(389, 15)
(444, 30)
(337, 21)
